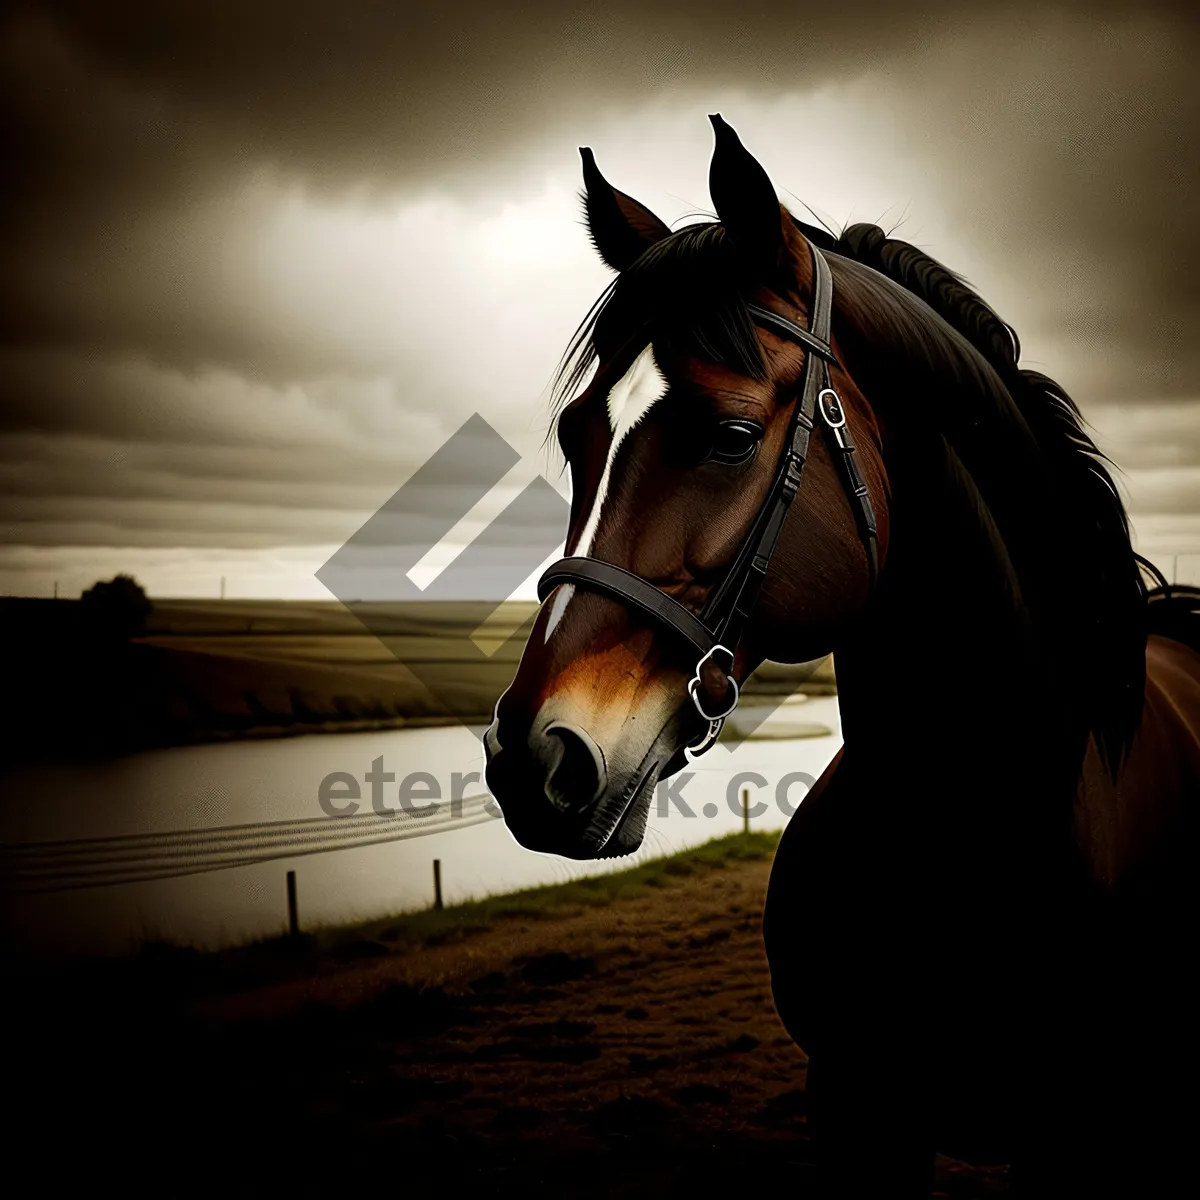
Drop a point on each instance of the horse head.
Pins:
(674, 443)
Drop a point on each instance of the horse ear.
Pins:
(621, 228)
(745, 200)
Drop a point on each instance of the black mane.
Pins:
(1102, 593)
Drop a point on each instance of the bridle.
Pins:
(721, 624)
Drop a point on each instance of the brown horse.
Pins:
(983, 947)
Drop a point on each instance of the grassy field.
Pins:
(275, 960)
(614, 1038)
(208, 671)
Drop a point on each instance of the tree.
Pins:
(116, 609)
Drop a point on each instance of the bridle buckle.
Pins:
(833, 413)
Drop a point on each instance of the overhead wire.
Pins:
(33, 867)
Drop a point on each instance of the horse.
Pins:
(978, 921)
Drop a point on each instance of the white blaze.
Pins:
(632, 397)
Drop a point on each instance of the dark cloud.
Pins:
(401, 92)
(133, 308)
(398, 93)
(118, 115)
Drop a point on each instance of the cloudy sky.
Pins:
(258, 261)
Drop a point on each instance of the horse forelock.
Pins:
(686, 293)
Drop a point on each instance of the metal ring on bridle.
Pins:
(707, 739)
(694, 683)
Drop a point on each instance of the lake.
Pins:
(207, 787)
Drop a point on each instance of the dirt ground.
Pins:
(630, 1050)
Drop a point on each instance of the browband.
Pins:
(789, 329)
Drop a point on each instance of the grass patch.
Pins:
(551, 900)
(169, 970)
(454, 924)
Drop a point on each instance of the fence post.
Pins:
(745, 810)
(437, 883)
(293, 915)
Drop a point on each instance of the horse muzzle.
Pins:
(559, 793)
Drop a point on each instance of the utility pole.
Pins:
(222, 587)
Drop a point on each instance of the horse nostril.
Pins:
(575, 773)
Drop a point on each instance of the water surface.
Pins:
(204, 787)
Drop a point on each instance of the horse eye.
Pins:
(735, 442)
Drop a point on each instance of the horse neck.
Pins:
(949, 684)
